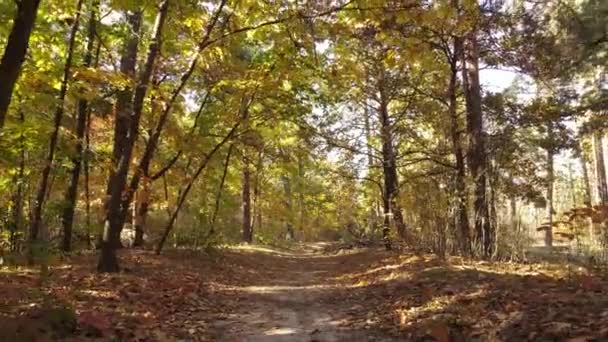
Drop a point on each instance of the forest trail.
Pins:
(300, 305)
(311, 292)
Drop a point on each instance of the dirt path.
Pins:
(254, 293)
(303, 301)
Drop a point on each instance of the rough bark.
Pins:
(15, 51)
(57, 117)
(151, 145)
(220, 191)
(600, 167)
(375, 210)
(67, 218)
(301, 204)
(115, 215)
(288, 203)
(587, 185)
(17, 197)
(141, 211)
(476, 136)
(550, 182)
(462, 215)
(246, 199)
(389, 167)
(122, 109)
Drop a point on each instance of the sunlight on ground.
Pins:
(258, 248)
(280, 331)
(407, 316)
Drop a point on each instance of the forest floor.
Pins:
(309, 293)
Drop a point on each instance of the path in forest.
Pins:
(303, 301)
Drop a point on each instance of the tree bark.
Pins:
(14, 52)
(58, 116)
(17, 198)
(550, 182)
(600, 167)
(81, 123)
(115, 216)
(151, 145)
(477, 149)
(257, 192)
(389, 167)
(122, 109)
(375, 210)
(246, 198)
(587, 184)
(141, 212)
(462, 215)
(220, 191)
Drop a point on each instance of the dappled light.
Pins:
(303, 170)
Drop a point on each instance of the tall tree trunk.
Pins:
(14, 52)
(87, 180)
(550, 182)
(389, 167)
(67, 217)
(288, 206)
(301, 204)
(375, 210)
(587, 184)
(141, 206)
(460, 177)
(220, 191)
(151, 145)
(58, 116)
(122, 109)
(477, 149)
(246, 198)
(600, 167)
(257, 192)
(17, 198)
(115, 216)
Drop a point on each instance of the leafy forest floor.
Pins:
(310, 293)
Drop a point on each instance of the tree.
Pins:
(14, 52)
(81, 123)
(57, 118)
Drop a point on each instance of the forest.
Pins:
(303, 170)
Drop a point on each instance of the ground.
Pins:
(307, 293)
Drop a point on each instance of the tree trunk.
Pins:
(550, 180)
(152, 143)
(301, 204)
(115, 216)
(220, 190)
(462, 215)
(288, 206)
(14, 52)
(87, 180)
(58, 116)
(141, 214)
(600, 167)
(111, 230)
(72, 189)
(477, 150)
(246, 197)
(392, 209)
(587, 185)
(17, 198)
(375, 210)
